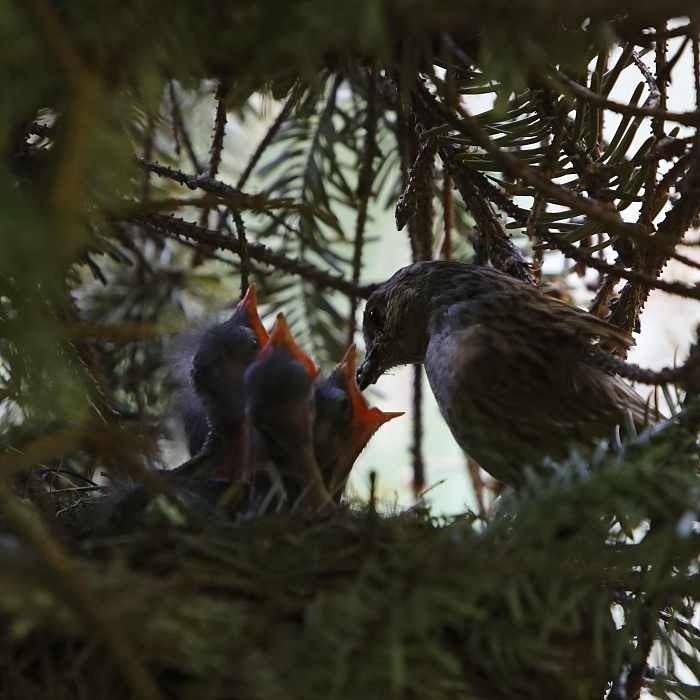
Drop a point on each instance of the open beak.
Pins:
(365, 420)
(249, 304)
(372, 367)
(281, 339)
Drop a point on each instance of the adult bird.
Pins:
(510, 366)
(344, 424)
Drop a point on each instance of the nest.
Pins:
(357, 604)
(351, 605)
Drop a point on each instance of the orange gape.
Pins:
(280, 411)
(249, 305)
(281, 339)
(266, 411)
(351, 437)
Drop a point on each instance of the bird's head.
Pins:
(223, 355)
(246, 314)
(395, 324)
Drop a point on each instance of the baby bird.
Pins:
(344, 424)
(280, 413)
(224, 353)
(192, 401)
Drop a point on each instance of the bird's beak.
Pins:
(373, 366)
(362, 415)
(347, 368)
(281, 339)
(365, 421)
(249, 304)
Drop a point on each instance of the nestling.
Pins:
(344, 424)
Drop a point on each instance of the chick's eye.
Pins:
(375, 317)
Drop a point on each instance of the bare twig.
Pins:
(217, 144)
(654, 98)
(289, 105)
(448, 215)
(651, 263)
(179, 130)
(242, 250)
(170, 226)
(562, 83)
(417, 446)
(686, 375)
(504, 254)
(414, 206)
(479, 488)
(571, 251)
(147, 155)
(222, 193)
(364, 192)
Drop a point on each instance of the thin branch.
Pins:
(650, 263)
(686, 375)
(364, 192)
(448, 215)
(179, 130)
(664, 75)
(503, 253)
(175, 228)
(289, 105)
(42, 130)
(416, 198)
(409, 155)
(684, 30)
(479, 488)
(571, 251)
(564, 84)
(224, 193)
(657, 88)
(217, 144)
(242, 251)
(147, 155)
(654, 98)
(417, 445)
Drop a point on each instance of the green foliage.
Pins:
(551, 599)
(106, 118)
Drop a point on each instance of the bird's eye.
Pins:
(255, 343)
(375, 317)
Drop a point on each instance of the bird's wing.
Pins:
(570, 320)
(526, 398)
